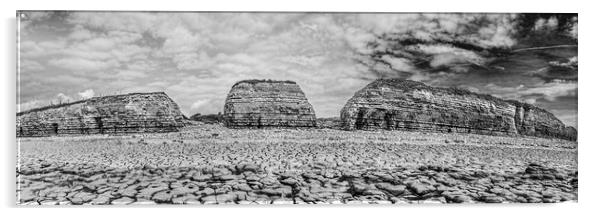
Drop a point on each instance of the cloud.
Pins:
(453, 42)
(30, 105)
(27, 66)
(130, 74)
(196, 57)
(548, 91)
(568, 117)
(399, 64)
(89, 93)
(553, 90)
(198, 104)
(63, 98)
(80, 64)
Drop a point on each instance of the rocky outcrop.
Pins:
(397, 104)
(129, 113)
(267, 103)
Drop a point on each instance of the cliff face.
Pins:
(397, 104)
(129, 113)
(267, 103)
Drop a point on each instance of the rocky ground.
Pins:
(210, 164)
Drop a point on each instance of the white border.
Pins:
(589, 146)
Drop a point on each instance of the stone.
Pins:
(200, 177)
(398, 104)
(434, 200)
(281, 191)
(539, 172)
(102, 199)
(148, 192)
(128, 113)
(227, 177)
(267, 103)
(491, 199)
(242, 187)
(289, 181)
(460, 199)
(188, 199)
(54, 202)
(162, 197)
(395, 190)
(26, 196)
(420, 188)
(183, 190)
(127, 192)
(205, 192)
(247, 167)
(82, 197)
(123, 201)
(227, 198)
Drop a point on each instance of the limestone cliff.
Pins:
(129, 113)
(397, 104)
(267, 103)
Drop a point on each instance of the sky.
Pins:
(196, 57)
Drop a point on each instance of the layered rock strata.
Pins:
(267, 103)
(397, 104)
(129, 113)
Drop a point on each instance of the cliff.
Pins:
(267, 103)
(129, 113)
(397, 104)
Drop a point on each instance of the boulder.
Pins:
(267, 103)
(397, 104)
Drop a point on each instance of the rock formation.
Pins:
(129, 113)
(397, 104)
(267, 103)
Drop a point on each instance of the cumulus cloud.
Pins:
(63, 98)
(30, 105)
(89, 93)
(548, 91)
(83, 64)
(198, 104)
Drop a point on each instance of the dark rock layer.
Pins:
(267, 103)
(129, 113)
(397, 104)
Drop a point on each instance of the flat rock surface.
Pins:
(288, 166)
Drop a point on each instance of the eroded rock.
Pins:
(397, 104)
(128, 113)
(267, 103)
